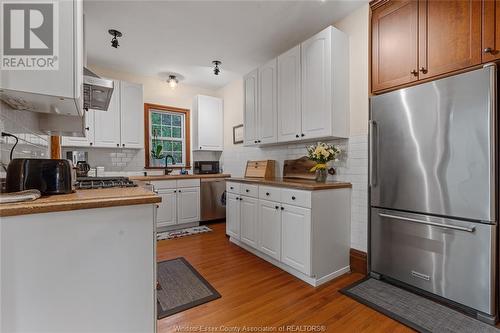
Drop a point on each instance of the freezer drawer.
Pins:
(450, 258)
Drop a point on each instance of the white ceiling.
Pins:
(185, 36)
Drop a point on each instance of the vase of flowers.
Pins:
(322, 153)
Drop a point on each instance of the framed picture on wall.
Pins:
(238, 134)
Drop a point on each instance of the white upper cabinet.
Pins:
(310, 99)
(289, 94)
(122, 125)
(250, 82)
(267, 116)
(131, 115)
(54, 89)
(107, 123)
(208, 123)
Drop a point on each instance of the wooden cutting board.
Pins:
(261, 169)
(299, 168)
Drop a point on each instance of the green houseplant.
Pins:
(157, 155)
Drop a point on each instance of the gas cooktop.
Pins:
(83, 183)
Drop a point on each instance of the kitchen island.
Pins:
(80, 262)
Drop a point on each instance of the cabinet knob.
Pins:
(241, 199)
(255, 141)
(91, 143)
(282, 208)
(247, 190)
(488, 50)
(180, 191)
(293, 198)
(157, 206)
(296, 135)
(232, 188)
(176, 192)
(87, 128)
(200, 147)
(423, 70)
(123, 145)
(267, 193)
(118, 145)
(302, 135)
(276, 207)
(414, 72)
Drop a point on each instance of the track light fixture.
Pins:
(216, 68)
(114, 40)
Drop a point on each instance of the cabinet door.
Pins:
(491, 30)
(317, 85)
(289, 90)
(296, 238)
(166, 214)
(210, 123)
(449, 36)
(251, 131)
(88, 140)
(233, 215)
(269, 239)
(267, 114)
(107, 123)
(249, 218)
(394, 44)
(188, 205)
(131, 115)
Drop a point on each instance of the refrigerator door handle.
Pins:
(373, 145)
(434, 224)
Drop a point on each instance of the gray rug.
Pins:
(413, 310)
(180, 287)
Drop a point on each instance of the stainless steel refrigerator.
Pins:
(433, 189)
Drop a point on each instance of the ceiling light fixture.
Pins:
(216, 68)
(172, 81)
(115, 34)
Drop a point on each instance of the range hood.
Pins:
(97, 91)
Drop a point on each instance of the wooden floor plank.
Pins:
(256, 293)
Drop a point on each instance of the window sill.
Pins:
(170, 167)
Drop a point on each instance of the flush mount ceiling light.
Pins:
(115, 34)
(172, 81)
(216, 68)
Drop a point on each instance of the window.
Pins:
(167, 133)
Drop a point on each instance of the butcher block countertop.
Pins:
(175, 177)
(82, 199)
(301, 184)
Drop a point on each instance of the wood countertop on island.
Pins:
(82, 199)
(301, 184)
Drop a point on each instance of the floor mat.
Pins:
(182, 232)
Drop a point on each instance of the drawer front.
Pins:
(296, 197)
(188, 183)
(249, 190)
(452, 260)
(270, 193)
(233, 187)
(164, 184)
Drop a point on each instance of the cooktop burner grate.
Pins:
(83, 183)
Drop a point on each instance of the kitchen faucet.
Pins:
(167, 170)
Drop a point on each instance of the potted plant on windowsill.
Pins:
(157, 156)
(322, 153)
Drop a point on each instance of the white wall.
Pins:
(353, 166)
(156, 91)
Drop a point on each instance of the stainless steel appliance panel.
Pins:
(450, 258)
(432, 147)
(213, 198)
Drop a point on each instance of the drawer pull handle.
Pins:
(434, 224)
(267, 193)
(421, 276)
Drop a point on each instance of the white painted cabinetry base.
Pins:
(312, 280)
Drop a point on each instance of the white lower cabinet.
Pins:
(233, 215)
(188, 205)
(306, 233)
(270, 228)
(166, 214)
(296, 238)
(179, 205)
(248, 221)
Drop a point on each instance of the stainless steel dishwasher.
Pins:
(213, 198)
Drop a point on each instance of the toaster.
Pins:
(49, 176)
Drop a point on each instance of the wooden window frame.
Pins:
(148, 107)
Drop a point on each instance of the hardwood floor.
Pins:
(255, 293)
